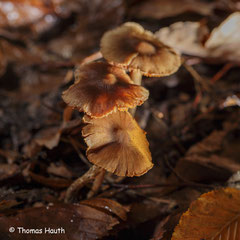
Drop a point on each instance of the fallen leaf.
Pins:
(215, 158)
(223, 43)
(109, 205)
(175, 36)
(146, 210)
(9, 155)
(78, 221)
(183, 197)
(197, 172)
(224, 40)
(8, 170)
(10, 52)
(210, 152)
(158, 9)
(15, 13)
(56, 183)
(215, 215)
(166, 226)
(93, 19)
(231, 101)
(48, 137)
(3, 62)
(60, 170)
(34, 83)
(234, 180)
(7, 204)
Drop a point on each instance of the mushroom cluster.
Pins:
(105, 90)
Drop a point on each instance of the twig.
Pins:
(154, 199)
(173, 170)
(196, 76)
(220, 73)
(200, 83)
(141, 186)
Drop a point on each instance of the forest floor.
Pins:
(192, 118)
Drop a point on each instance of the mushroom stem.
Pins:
(67, 114)
(80, 182)
(93, 57)
(136, 76)
(97, 183)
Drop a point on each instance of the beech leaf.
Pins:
(222, 45)
(76, 222)
(215, 215)
(158, 9)
(108, 205)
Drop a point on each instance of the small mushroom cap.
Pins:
(135, 48)
(117, 144)
(101, 88)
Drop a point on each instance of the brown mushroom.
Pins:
(117, 144)
(101, 88)
(134, 48)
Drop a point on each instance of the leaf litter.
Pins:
(191, 120)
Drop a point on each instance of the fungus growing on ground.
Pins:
(104, 91)
(139, 51)
(116, 143)
(101, 88)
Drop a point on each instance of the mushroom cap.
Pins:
(135, 48)
(117, 144)
(101, 88)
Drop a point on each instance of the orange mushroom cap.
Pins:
(117, 144)
(135, 48)
(101, 88)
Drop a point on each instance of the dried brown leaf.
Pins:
(78, 221)
(108, 205)
(9, 155)
(93, 19)
(8, 170)
(10, 52)
(158, 9)
(166, 227)
(60, 170)
(211, 152)
(215, 158)
(34, 83)
(6, 204)
(215, 215)
(56, 183)
(15, 13)
(3, 62)
(48, 137)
